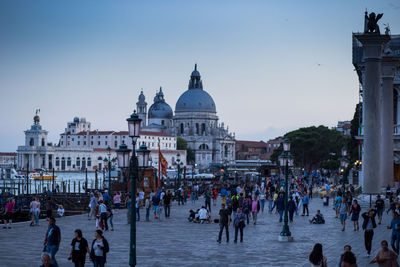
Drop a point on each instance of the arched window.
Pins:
(182, 129)
(78, 162)
(31, 142)
(57, 161)
(69, 162)
(89, 162)
(226, 151)
(197, 128)
(203, 147)
(162, 122)
(43, 143)
(83, 163)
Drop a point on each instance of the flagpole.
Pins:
(159, 163)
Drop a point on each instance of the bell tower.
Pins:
(141, 107)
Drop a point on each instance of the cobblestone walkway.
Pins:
(175, 242)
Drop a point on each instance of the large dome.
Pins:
(195, 98)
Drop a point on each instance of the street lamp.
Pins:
(178, 162)
(286, 159)
(344, 162)
(122, 156)
(143, 158)
(109, 169)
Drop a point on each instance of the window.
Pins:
(79, 142)
(182, 128)
(162, 122)
(78, 162)
(123, 141)
(226, 151)
(105, 142)
(89, 162)
(79, 137)
(57, 161)
(31, 142)
(152, 144)
(84, 143)
(62, 142)
(106, 136)
(92, 136)
(203, 147)
(68, 136)
(43, 143)
(69, 162)
(115, 143)
(203, 128)
(98, 143)
(91, 143)
(197, 128)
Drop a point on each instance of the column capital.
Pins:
(372, 45)
(389, 65)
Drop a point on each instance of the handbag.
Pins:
(242, 224)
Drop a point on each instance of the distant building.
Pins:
(344, 127)
(8, 159)
(80, 148)
(250, 150)
(272, 145)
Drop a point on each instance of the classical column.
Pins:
(389, 65)
(372, 55)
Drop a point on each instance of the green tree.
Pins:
(311, 146)
(181, 144)
(352, 145)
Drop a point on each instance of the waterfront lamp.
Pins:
(123, 156)
(134, 126)
(286, 145)
(143, 156)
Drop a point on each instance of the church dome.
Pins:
(195, 98)
(160, 109)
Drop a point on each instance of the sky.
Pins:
(270, 66)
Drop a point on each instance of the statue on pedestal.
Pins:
(371, 23)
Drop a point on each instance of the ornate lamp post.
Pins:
(134, 130)
(285, 159)
(143, 158)
(344, 162)
(109, 169)
(179, 163)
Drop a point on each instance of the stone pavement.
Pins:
(175, 242)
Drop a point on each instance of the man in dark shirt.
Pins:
(53, 239)
(167, 204)
(224, 221)
(380, 207)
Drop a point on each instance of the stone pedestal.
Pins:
(372, 52)
(285, 238)
(388, 71)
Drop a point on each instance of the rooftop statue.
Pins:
(371, 23)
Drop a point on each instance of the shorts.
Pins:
(155, 208)
(8, 216)
(117, 206)
(380, 212)
(343, 217)
(354, 217)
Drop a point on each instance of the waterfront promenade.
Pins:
(175, 242)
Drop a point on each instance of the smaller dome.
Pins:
(160, 110)
(36, 119)
(141, 96)
(76, 120)
(195, 73)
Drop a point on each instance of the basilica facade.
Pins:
(195, 120)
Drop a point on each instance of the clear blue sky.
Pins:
(258, 59)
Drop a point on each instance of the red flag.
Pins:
(163, 163)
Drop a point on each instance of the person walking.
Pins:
(117, 201)
(247, 208)
(346, 248)
(385, 257)
(207, 198)
(239, 224)
(92, 205)
(49, 207)
(368, 226)
(128, 203)
(167, 204)
(103, 215)
(35, 211)
(355, 214)
(8, 213)
(46, 260)
(306, 200)
(147, 206)
(395, 226)
(255, 208)
(380, 208)
(343, 209)
(316, 258)
(224, 221)
(110, 216)
(280, 206)
(291, 208)
(79, 248)
(138, 205)
(99, 249)
(262, 200)
(156, 202)
(52, 240)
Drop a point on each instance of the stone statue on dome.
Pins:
(371, 23)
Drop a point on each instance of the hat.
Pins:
(105, 191)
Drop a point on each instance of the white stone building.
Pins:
(80, 148)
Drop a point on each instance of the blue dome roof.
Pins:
(160, 110)
(195, 100)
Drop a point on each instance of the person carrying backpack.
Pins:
(99, 249)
